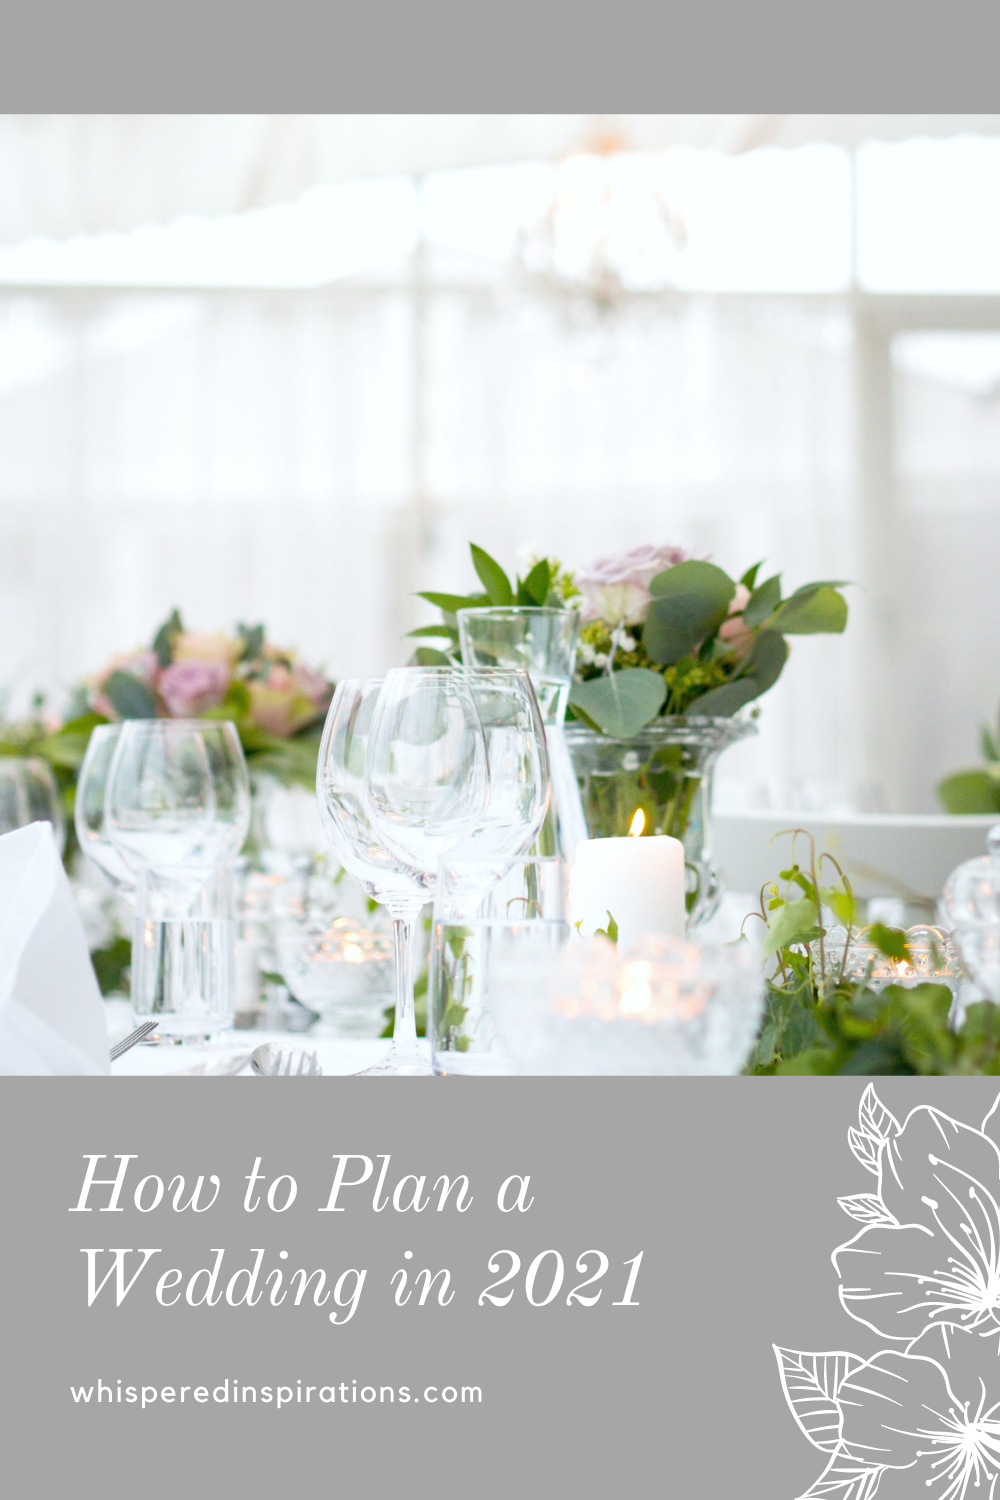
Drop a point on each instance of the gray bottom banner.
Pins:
(543, 1287)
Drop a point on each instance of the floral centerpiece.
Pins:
(670, 649)
(276, 700)
(975, 791)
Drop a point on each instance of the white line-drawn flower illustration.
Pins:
(925, 1271)
(930, 1249)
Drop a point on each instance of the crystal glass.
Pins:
(177, 810)
(340, 791)
(28, 794)
(338, 967)
(88, 810)
(519, 790)
(666, 771)
(426, 771)
(666, 1006)
(528, 909)
(970, 904)
(932, 960)
(541, 642)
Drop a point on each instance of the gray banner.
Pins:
(665, 1384)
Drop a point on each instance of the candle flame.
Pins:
(353, 954)
(637, 824)
(904, 968)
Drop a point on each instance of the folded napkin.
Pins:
(51, 1011)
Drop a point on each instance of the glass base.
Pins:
(172, 1030)
(399, 1065)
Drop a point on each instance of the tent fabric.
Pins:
(64, 175)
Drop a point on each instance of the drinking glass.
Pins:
(518, 770)
(177, 809)
(426, 770)
(542, 642)
(340, 791)
(28, 794)
(88, 811)
(524, 913)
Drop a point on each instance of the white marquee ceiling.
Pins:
(62, 175)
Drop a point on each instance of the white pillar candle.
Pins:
(640, 881)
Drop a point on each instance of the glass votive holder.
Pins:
(933, 959)
(339, 968)
(664, 1007)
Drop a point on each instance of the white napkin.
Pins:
(51, 1011)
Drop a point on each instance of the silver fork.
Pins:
(128, 1042)
(274, 1062)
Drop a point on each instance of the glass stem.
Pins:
(404, 1031)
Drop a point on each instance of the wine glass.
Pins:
(519, 791)
(177, 809)
(340, 791)
(427, 781)
(88, 810)
(28, 794)
(177, 799)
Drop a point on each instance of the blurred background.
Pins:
(285, 367)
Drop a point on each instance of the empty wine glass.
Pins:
(426, 768)
(177, 809)
(178, 797)
(340, 791)
(28, 794)
(519, 790)
(88, 810)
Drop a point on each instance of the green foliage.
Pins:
(679, 641)
(130, 698)
(622, 703)
(689, 604)
(163, 643)
(610, 932)
(819, 1022)
(111, 965)
(970, 792)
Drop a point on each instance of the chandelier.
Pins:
(608, 237)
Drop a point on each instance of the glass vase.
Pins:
(665, 772)
(541, 642)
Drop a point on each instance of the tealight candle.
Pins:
(640, 881)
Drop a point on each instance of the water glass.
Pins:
(525, 914)
(28, 794)
(177, 810)
(89, 810)
(184, 964)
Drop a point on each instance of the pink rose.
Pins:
(733, 629)
(279, 703)
(189, 687)
(616, 589)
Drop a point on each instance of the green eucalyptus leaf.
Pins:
(535, 588)
(130, 698)
(749, 578)
(723, 701)
(689, 603)
(621, 703)
(763, 602)
(163, 645)
(492, 577)
(253, 641)
(969, 792)
(817, 610)
(794, 922)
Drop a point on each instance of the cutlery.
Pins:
(275, 1062)
(140, 1033)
